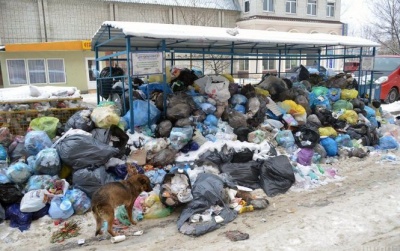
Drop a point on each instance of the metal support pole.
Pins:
(98, 84)
(128, 65)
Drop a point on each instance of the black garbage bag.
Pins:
(162, 158)
(277, 175)
(114, 136)
(259, 117)
(325, 117)
(80, 120)
(164, 129)
(274, 85)
(306, 137)
(207, 191)
(304, 74)
(179, 111)
(80, 151)
(242, 156)
(183, 122)
(186, 76)
(2, 214)
(244, 174)
(90, 179)
(10, 193)
(216, 158)
(17, 149)
(242, 133)
(248, 91)
(168, 195)
(236, 119)
(106, 84)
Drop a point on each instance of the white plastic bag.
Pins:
(218, 88)
(34, 200)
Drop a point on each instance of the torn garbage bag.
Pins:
(207, 191)
(245, 174)
(277, 175)
(79, 151)
(89, 180)
(114, 136)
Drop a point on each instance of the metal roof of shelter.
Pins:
(150, 36)
(206, 4)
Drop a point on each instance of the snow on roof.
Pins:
(207, 4)
(188, 36)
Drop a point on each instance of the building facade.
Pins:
(44, 21)
(301, 16)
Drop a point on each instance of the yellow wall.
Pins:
(74, 63)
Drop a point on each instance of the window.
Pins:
(268, 64)
(36, 71)
(291, 6)
(244, 65)
(56, 71)
(246, 6)
(292, 63)
(268, 5)
(330, 9)
(16, 72)
(312, 7)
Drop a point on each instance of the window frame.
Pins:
(291, 2)
(313, 6)
(63, 70)
(244, 62)
(25, 69)
(330, 7)
(246, 3)
(270, 6)
(268, 60)
(45, 70)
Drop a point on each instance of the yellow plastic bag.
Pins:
(154, 207)
(229, 77)
(159, 77)
(349, 94)
(104, 117)
(46, 124)
(261, 92)
(350, 117)
(292, 108)
(327, 131)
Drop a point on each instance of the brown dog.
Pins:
(114, 194)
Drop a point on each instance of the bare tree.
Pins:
(386, 28)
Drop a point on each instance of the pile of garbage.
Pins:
(204, 141)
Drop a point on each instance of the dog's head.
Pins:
(141, 182)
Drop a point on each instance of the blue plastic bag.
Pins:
(35, 141)
(344, 140)
(18, 172)
(240, 108)
(79, 199)
(319, 101)
(388, 142)
(37, 182)
(140, 113)
(330, 146)
(148, 89)
(180, 136)
(198, 100)
(211, 120)
(334, 94)
(3, 153)
(60, 208)
(3, 176)
(285, 138)
(208, 108)
(47, 162)
(18, 219)
(238, 99)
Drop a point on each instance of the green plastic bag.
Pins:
(46, 124)
(342, 104)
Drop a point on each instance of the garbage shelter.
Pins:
(204, 141)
